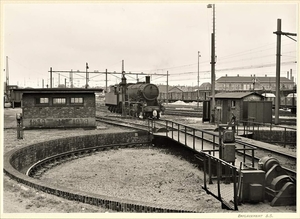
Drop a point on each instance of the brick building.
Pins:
(247, 83)
(59, 108)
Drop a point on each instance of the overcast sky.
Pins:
(149, 37)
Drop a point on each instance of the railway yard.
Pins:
(146, 174)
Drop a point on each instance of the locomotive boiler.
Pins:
(135, 99)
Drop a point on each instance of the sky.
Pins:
(153, 38)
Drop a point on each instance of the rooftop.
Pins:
(57, 90)
(250, 79)
(234, 95)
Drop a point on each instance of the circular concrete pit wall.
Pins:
(17, 161)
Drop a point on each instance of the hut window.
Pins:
(42, 100)
(233, 104)
(59, 100)
(76, 100)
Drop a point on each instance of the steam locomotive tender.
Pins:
(140, 99)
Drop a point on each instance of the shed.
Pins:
(59, 108)
(243, 105)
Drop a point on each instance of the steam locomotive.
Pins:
(140, 99)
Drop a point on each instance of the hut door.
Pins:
(225, 112)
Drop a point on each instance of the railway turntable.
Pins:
(236, 171)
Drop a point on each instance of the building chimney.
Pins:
(287, 75)
(266, 76)
(226, 75)
(147, 79)
(251, 76)
(238, 75)
(291, 75)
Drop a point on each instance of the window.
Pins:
(42, 100)
(233, 104)
(59, 100)
(76, 100)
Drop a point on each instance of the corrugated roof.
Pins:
(234, 95)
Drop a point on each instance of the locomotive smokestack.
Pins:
(147, 79)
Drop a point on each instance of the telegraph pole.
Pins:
(87, 75)
(213, 62)
(278, 54)
(7, 77)
(106, 80)
(50, 77)
(167, 86)
(198, 81)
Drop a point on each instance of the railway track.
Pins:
(36, 171)
(183, 112)
(282, 156)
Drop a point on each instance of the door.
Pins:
(225, 112)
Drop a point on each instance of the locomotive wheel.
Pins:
(158, 115)
(131, 113)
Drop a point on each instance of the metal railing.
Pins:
(251, 127)
(227, 194)
(223, 183)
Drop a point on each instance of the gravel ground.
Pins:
(149, 174)
(125, 169)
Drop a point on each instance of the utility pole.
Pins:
(106, 80)
(87, 75)
(167, 87)
(50, 77)
(58, 79)
(278, 54)
(198, 82)
(123, 85)
(7, 79)
(213, 62)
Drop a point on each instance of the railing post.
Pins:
(209, 168)
(185, 135)
(244, 154)
(194, 139)
(172, 129)
(167, 128)
(218, 178)
(202, 141)
(205, 170)
(253, 158)
(234, 189)
(284, 137)
(214, 137)
(178, 132)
